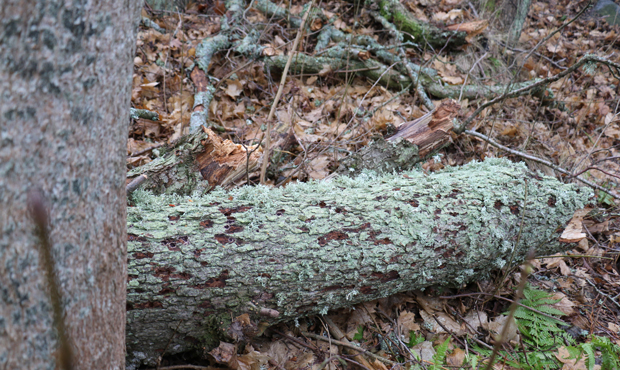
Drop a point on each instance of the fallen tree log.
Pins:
(224, 265)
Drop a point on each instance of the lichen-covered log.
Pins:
(197, 263)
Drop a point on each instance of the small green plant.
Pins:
(605, 199)
(360, 333)
(439, 358)
(541, 332)
(414, 339)
(609, 352)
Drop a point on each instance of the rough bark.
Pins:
(223, 265)
(199, 161)
(65, 71)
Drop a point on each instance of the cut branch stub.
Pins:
(432, 131)
(199, 161)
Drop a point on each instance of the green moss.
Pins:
(213, 331)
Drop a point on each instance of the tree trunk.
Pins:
(65, 69)
(220, 266)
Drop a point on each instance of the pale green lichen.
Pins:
(318, 245)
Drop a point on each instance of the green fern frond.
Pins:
(439, 358)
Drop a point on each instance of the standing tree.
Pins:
(65, 70)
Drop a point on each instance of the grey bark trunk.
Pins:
(199, 264)
(65, 69)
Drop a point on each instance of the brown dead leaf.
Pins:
(497, 326)
(234, 88)
(510, 131)
(450, 16)
(472, 29)
(317, 24)
(135, 146)
(425, 350)
(406, 323)
(226, 354)
(378, 365)
(359, 317)
(279, 352)
(556, 48)
(596, 227)
(453, 80)
(133, 162)
(456, 358)
(301, 134)
(318, 167)
(564, 305)
(252, 360)
(573, 232)
(445, 320)
(476, 319)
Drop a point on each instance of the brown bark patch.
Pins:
(233, 229)
(228, 211)
(135, 238)
(206, 224)
(332, 235)
(384, 241)
(140, 255)
(166, 291)
(141, 306)
(172, 243)
(367, 290)
(389, 276)
(337, 287)
(218, 282)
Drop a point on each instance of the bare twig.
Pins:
(349, 345)
(603, 294)
(293, 51)
(505, 299)
(588, 58)
(135, 183)
(539, 160)
(511, 314)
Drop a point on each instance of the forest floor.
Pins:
(580, 289)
